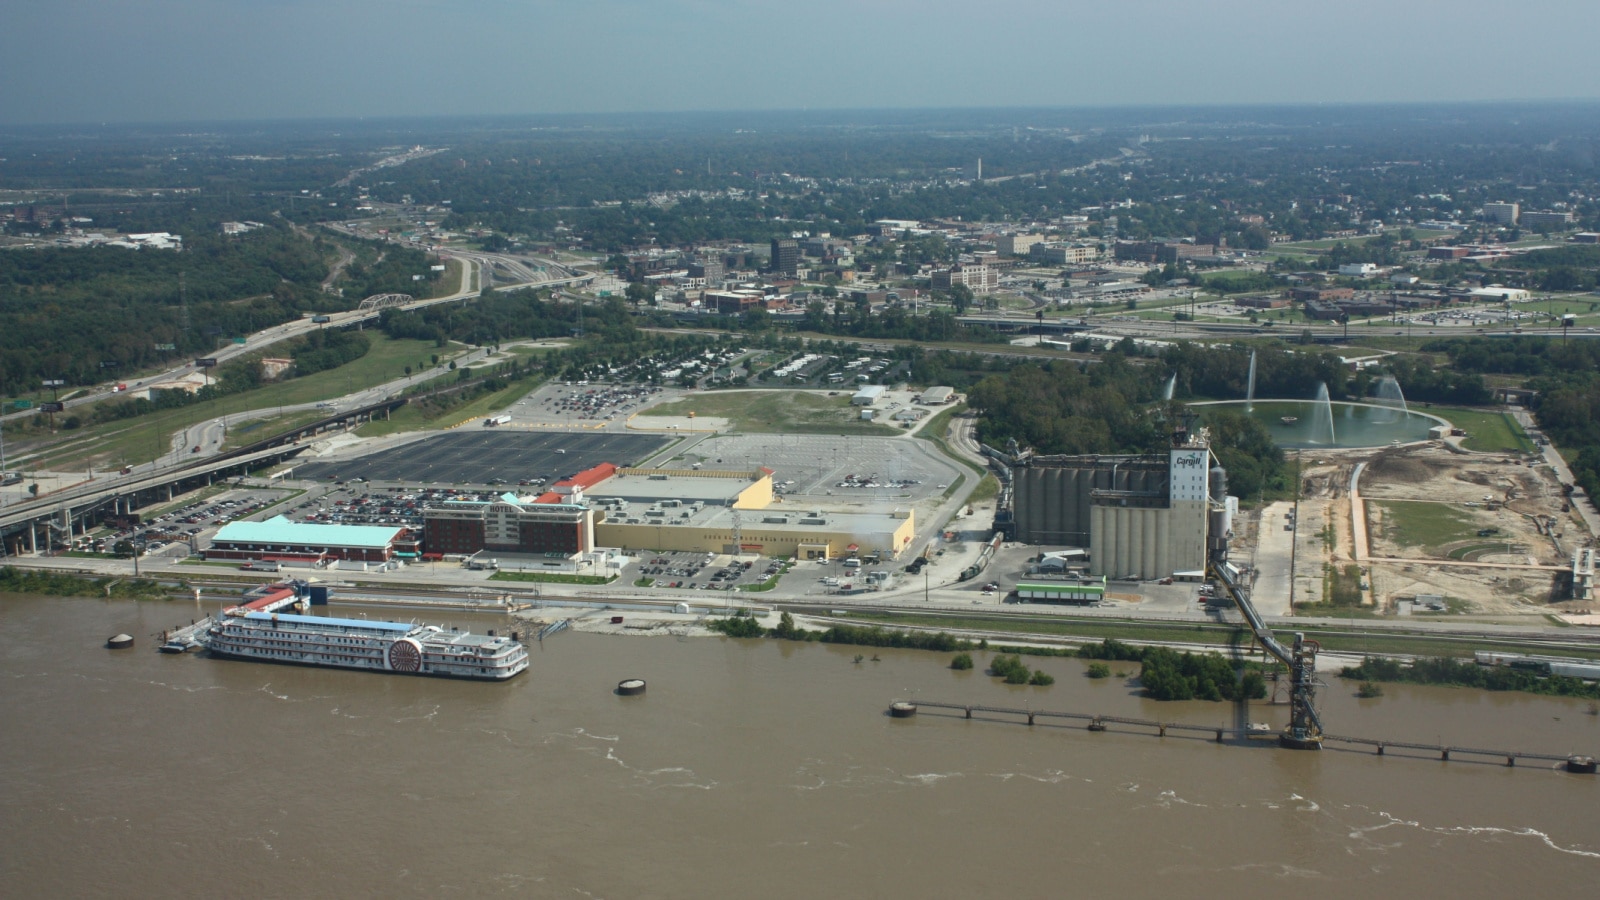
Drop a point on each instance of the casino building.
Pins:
(282, 540)
(556, 521)
(712, 511)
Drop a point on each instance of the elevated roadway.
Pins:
(260, 340)
(33, 525)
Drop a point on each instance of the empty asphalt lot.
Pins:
(467, 456)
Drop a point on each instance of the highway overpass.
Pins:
(56, 518)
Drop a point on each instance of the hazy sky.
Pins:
(189, 60)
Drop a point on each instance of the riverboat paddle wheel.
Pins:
(405, 656)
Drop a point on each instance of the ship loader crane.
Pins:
(1305, 728)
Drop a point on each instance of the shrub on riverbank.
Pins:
(1173, 675)
(60, 584)
(1010, 668)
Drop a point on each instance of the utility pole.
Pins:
(1294, 539)
(183, 303)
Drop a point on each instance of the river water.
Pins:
(750, 768)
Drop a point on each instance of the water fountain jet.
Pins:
(1388, 394)
(1322, 417)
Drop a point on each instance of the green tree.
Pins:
(756, 319)
(640, 292)
(1010, 667)
(785, 627)
(961, 298)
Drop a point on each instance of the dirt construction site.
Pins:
(1429, 530)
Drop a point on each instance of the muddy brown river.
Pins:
(749, 768)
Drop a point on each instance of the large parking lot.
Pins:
(692, 571)
(171, 532)
(866, 469)
(565, 404)
(489, 456)
(376, 505)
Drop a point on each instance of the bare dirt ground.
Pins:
(1509, 573)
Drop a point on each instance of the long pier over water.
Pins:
(1095, 722)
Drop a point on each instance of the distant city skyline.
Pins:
(90, 61)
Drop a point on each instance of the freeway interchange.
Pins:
(474, 270)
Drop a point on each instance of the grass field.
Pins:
(412, 417)
(552, 577)
(933, 432)
(1488, 431)
(1476, 551)
(450, 282)
(782, 412)
(988, 488)
(1585, 307)
(142, 439)
(1426, 525)
(257, 429)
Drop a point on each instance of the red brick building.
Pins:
(557, 521)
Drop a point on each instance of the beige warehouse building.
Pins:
(721, 511)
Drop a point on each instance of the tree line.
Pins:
(1112, 406)
(1465, 673)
